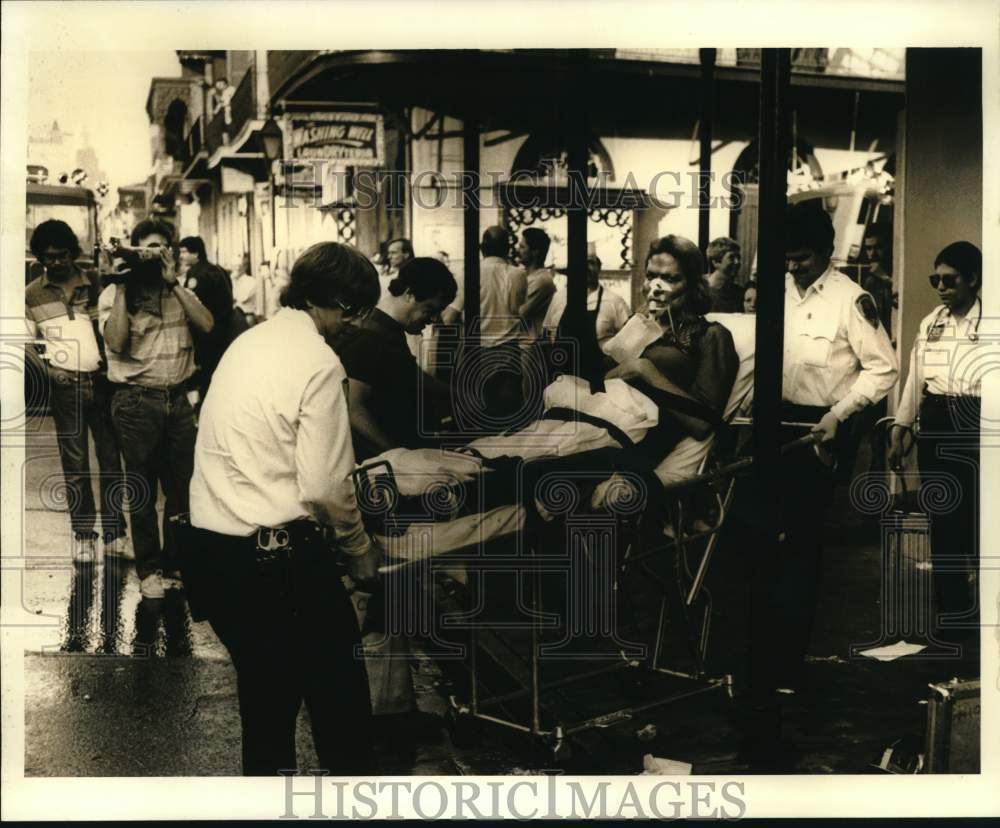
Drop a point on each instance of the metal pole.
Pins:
(705, 135)
(576, 215)
(774, 146)
(470, 201)
(274, 218)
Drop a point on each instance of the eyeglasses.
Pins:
(54, 256)
(949, 280)
(361, 314)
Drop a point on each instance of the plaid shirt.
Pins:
(160, 350)
(63, 318)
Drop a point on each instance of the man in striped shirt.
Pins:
(146, 320)
(61, 311)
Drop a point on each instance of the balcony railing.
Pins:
(194, 142)
(216, 131)
(243, 106)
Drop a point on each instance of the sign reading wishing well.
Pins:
(352, 138)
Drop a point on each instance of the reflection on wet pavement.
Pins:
(107, 615)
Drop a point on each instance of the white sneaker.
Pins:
(84, 550)
(120, 548)
(172, 581)
(152, 586)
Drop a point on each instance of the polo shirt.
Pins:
(62, 316)
(160, 350)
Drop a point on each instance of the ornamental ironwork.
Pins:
(517, 218)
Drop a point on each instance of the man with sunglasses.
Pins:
(272, 505)
(61, 309)
(838, 362)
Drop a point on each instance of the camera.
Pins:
(132, 257)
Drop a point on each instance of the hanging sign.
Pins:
(354, 138)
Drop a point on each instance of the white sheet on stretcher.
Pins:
(418, 469)
(428, 540)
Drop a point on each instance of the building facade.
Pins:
(372, 148)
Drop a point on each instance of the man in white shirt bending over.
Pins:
(273, 510)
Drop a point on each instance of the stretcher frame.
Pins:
(464, 715)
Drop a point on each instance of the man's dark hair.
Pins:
(328, 273)
(538, 241)
(696, 297)
(195, 245)
(407, 245)
(495, 242)
(147, 227)
(425, 278)
(593, 257)
(57, 234)
(808, 225)
(966, 258)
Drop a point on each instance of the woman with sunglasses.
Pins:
(943, 392)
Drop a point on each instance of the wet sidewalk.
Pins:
(120, 686)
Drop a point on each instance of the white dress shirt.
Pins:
(834, 356)
(944, 356)
(274, 439)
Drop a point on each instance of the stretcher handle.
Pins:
(745, 463)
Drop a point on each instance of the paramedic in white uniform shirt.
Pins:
(943, 391)
(838, 361)
(273, 508)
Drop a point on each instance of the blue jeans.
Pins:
(156, 432)
(80, 406)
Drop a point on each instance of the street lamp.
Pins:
(271, 138)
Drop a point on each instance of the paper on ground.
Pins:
(655, 766)
(893, 651)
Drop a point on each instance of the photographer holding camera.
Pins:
(146, 319)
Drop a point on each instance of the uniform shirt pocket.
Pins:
(817, 342)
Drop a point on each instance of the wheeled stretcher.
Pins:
(440, 510)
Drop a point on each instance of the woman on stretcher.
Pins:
(666, 375)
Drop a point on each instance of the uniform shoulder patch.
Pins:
(866, 307)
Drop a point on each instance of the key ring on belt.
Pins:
(271, 540)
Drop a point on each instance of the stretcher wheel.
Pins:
(464, 729)
(553, 749)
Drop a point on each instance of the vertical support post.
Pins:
(774, 146)
(707, 57)
(470, 206)
(536, 643)
(576, 215)
(473, 639)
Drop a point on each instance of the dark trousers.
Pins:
(786, 576)
(948, 454)
(156, 433)
(292, 633)
(81, 406)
